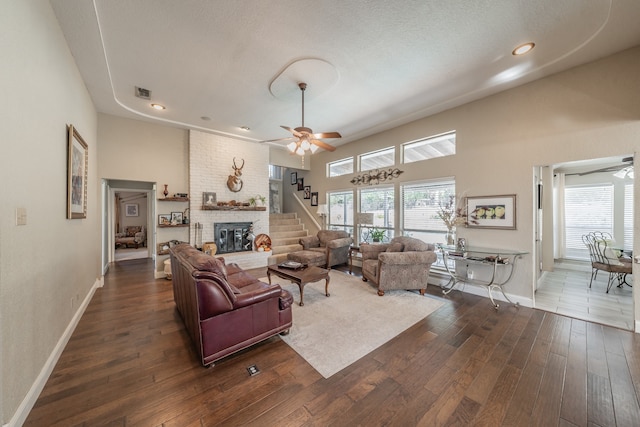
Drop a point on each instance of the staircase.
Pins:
(284, 230)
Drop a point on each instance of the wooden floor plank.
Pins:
(131, 362)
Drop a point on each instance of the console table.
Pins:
(495, 259)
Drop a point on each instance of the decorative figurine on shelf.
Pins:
(234, 183)
(165, 192)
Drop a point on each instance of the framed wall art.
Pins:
(208, 199)
(314, 199)
(307, 191)
(294, 178)
(77, 166)
(131, 209)
(497, 212)
(164, 219)
(300, 184)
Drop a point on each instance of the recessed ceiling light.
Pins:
(245, 128)
(158, 106)
(523, 48)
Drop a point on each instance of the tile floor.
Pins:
(566, 291)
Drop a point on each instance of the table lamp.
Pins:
(323, 212)
(363, 218)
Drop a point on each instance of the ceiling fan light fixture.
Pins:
(292, 147)
(313, 148)
(305, 145)
(300, 151)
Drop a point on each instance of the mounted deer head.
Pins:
(234, 183)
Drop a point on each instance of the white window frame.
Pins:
(340, 162)
(377, 153)
(428, 141)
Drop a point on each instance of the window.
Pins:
(340, 205)
(340, 167)
(586, 209)
(379, 201)
(628, 217)
(420, 204)
(275, 172)
(429, 148)
(378, 159)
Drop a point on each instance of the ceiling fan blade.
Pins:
(327, 135)
(279, 139)
(293, 131)
(322, 144)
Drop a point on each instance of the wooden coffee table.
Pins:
(301, 277)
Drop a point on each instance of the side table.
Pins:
(352, 250)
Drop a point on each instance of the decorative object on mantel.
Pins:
(234, 183)
(209, 248)
(376, 177)
(208, 199)
(257, 200)
(165, 192)
(233, 205)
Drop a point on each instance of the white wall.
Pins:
(211, 162)
(50, 265)
(587, 112)
(133, 150)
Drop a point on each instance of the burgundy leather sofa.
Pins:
(224, 308)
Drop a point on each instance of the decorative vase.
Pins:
(451, 237)
(165, 192)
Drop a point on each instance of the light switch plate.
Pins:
(21, 216)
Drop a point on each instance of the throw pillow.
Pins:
(395, 247)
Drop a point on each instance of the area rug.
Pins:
(333, 332)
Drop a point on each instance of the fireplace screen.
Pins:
(232, 237)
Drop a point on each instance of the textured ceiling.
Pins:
(379, 63)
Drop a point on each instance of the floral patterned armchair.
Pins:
(403, 263)
(133, 235)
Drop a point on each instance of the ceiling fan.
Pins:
(304, 137)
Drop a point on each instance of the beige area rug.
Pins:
(333, 332)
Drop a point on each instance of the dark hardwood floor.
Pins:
(130, 362)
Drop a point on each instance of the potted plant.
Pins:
(377, 234)
(257, 200)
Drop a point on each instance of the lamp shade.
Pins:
(364, 218)
(322, 210)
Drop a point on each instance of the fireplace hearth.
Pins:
(232, 237)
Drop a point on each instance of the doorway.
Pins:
(575, 198)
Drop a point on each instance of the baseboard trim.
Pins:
(32, 395)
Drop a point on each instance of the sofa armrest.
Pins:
(258, 295)
(407, 258)
(372, 251)
(309, 242)
(339, 243)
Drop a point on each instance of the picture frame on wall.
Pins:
(164, 219)
(131, 209)
(294, 178)
(300, 184)
(314, 199)
(307, 191)
(493, 212)
(77, 173)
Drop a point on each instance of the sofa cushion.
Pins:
(132, 230)
(395, 247)
(204, 262)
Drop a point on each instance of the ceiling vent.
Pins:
(143, 93)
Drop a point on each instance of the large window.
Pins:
(379, 201)
(340, 167)
(378, 159)
(340, 204)
(420, 204)
(586, 208)
(429, 148)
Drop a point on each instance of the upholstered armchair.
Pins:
(333, 244)
(403, 263)
(133, 235)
